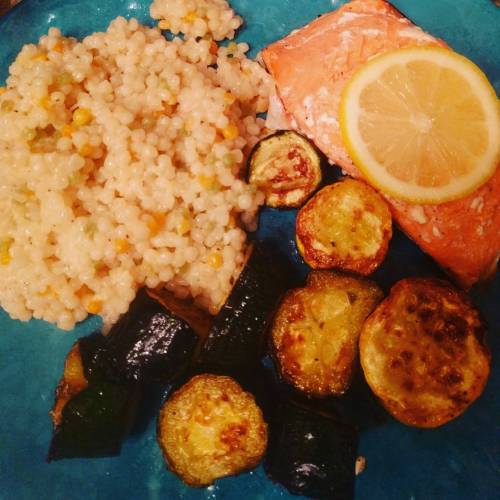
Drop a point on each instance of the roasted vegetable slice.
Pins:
(148, 343)
(286, 167)
(423, 352)
(236, 339)
(316, 329)
(210, 428)
(198, 319)
(311, 453)
(347, 225)
(91, 414)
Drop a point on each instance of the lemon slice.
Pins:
(422, 124)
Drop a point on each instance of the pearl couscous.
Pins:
(121, 160)
(196, 18)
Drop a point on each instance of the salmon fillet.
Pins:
(311, 67)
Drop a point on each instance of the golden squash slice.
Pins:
(211, 428)
(316, 330)
(346, 225)
(423, 352)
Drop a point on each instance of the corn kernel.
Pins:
(172, 100)
(230, 132)
(188, 126)
(7, 105)
(85, 150)
(40, 57)
(67, 130)
(156, 222)
(82, 116)
(232, 47)
(229, 98)
(153, 227)
(183, 226)
(3, 90)
(190, 17)
(58, 47)
(94, 306)
(5, 257)
(206, 181)
(122, 245)
(215, 260)
(163, 24)
(44, 102)
(28, 193)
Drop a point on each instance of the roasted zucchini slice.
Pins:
(347, 225)
(236, 339)
(148, 343)
(423, 352)
(91, 414)
(286, 167)
(311, 453)
(316, 330)
(210, 428)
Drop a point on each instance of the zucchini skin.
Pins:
(147, 344)
(94, 421)
(311, 453)
(237, 338)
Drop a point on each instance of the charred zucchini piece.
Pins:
(286, 167)
(423, 352)
(237, 337)
(198, 319)
(210, 428)
(347, 225)
(316, 330)
(148, 343)
(91, 414)
(311, 453)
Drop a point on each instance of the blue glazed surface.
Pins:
(458, 461)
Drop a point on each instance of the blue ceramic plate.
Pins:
(458, 461)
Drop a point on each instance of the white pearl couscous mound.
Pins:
(196, 18)
(121, 160)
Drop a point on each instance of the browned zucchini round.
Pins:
(316, 330)
(423, 352)
(347, 225)
(210, 428)
(286, 167)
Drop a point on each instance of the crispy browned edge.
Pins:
(65, 389)
(393, 407)
(319, 260)
(168, 460)
(273, 349)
